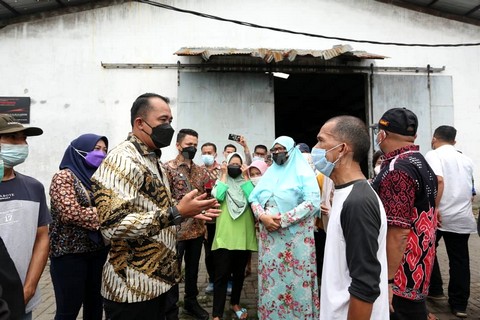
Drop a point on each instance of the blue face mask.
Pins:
(208, 159)
(319, 158)
(13, 154)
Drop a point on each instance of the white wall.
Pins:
(56, 61)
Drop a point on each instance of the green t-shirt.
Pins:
(238, 234)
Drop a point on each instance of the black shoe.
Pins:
(458, 313)
(192, 308)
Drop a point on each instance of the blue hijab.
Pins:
(76, 163)
(289, 184)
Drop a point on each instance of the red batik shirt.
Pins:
(407, 187)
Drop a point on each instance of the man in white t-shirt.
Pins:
(455, 171)
(355, 270)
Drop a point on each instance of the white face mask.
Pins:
(255, 158)
(255, 180)
(376, 169)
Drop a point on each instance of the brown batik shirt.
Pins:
(182, 180)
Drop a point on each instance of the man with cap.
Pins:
(24, 215)
(454, 171)
(407, 187)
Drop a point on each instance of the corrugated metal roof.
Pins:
(14, 11)
(467, 11)
(277, 55)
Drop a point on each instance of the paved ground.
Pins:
(46, 310)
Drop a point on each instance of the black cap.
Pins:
(399, 120)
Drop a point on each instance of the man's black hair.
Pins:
(231, 146)
(353, 131)
(141, 105)
(186, 132)
(445, 133)
(260, 146)
(209, 144)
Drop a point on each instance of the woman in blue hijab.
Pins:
(286, 202)
(77, 252)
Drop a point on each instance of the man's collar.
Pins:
(180, 161)
(142, 147)
(214, 166)
(408, 148)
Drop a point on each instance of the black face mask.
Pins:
(189, 152)
(161, 135)
(279, 158)
(234, 171)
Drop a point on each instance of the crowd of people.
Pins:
(332, 244)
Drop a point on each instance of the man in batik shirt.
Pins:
(407, 187)
(184, 175)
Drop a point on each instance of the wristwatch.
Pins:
(175, 216)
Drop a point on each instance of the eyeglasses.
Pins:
(277, 150)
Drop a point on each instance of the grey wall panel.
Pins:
(216, 104)
(441, 101)
(432, 106)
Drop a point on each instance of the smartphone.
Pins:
(208, 190)
(234, 137)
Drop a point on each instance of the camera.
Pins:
(234, 137)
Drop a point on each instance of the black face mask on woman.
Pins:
(234, 171)
(161, 135)
(279, 158)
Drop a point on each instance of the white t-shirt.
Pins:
(355, 253)
(456, 203)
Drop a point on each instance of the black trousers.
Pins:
(228, 262)
(11, 288)
(192, 250)
(209, 262)
(162, 307)
(320, 237)
(77, 279)
(459, 264)
(406, 309)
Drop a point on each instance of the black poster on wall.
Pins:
(18, 107)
